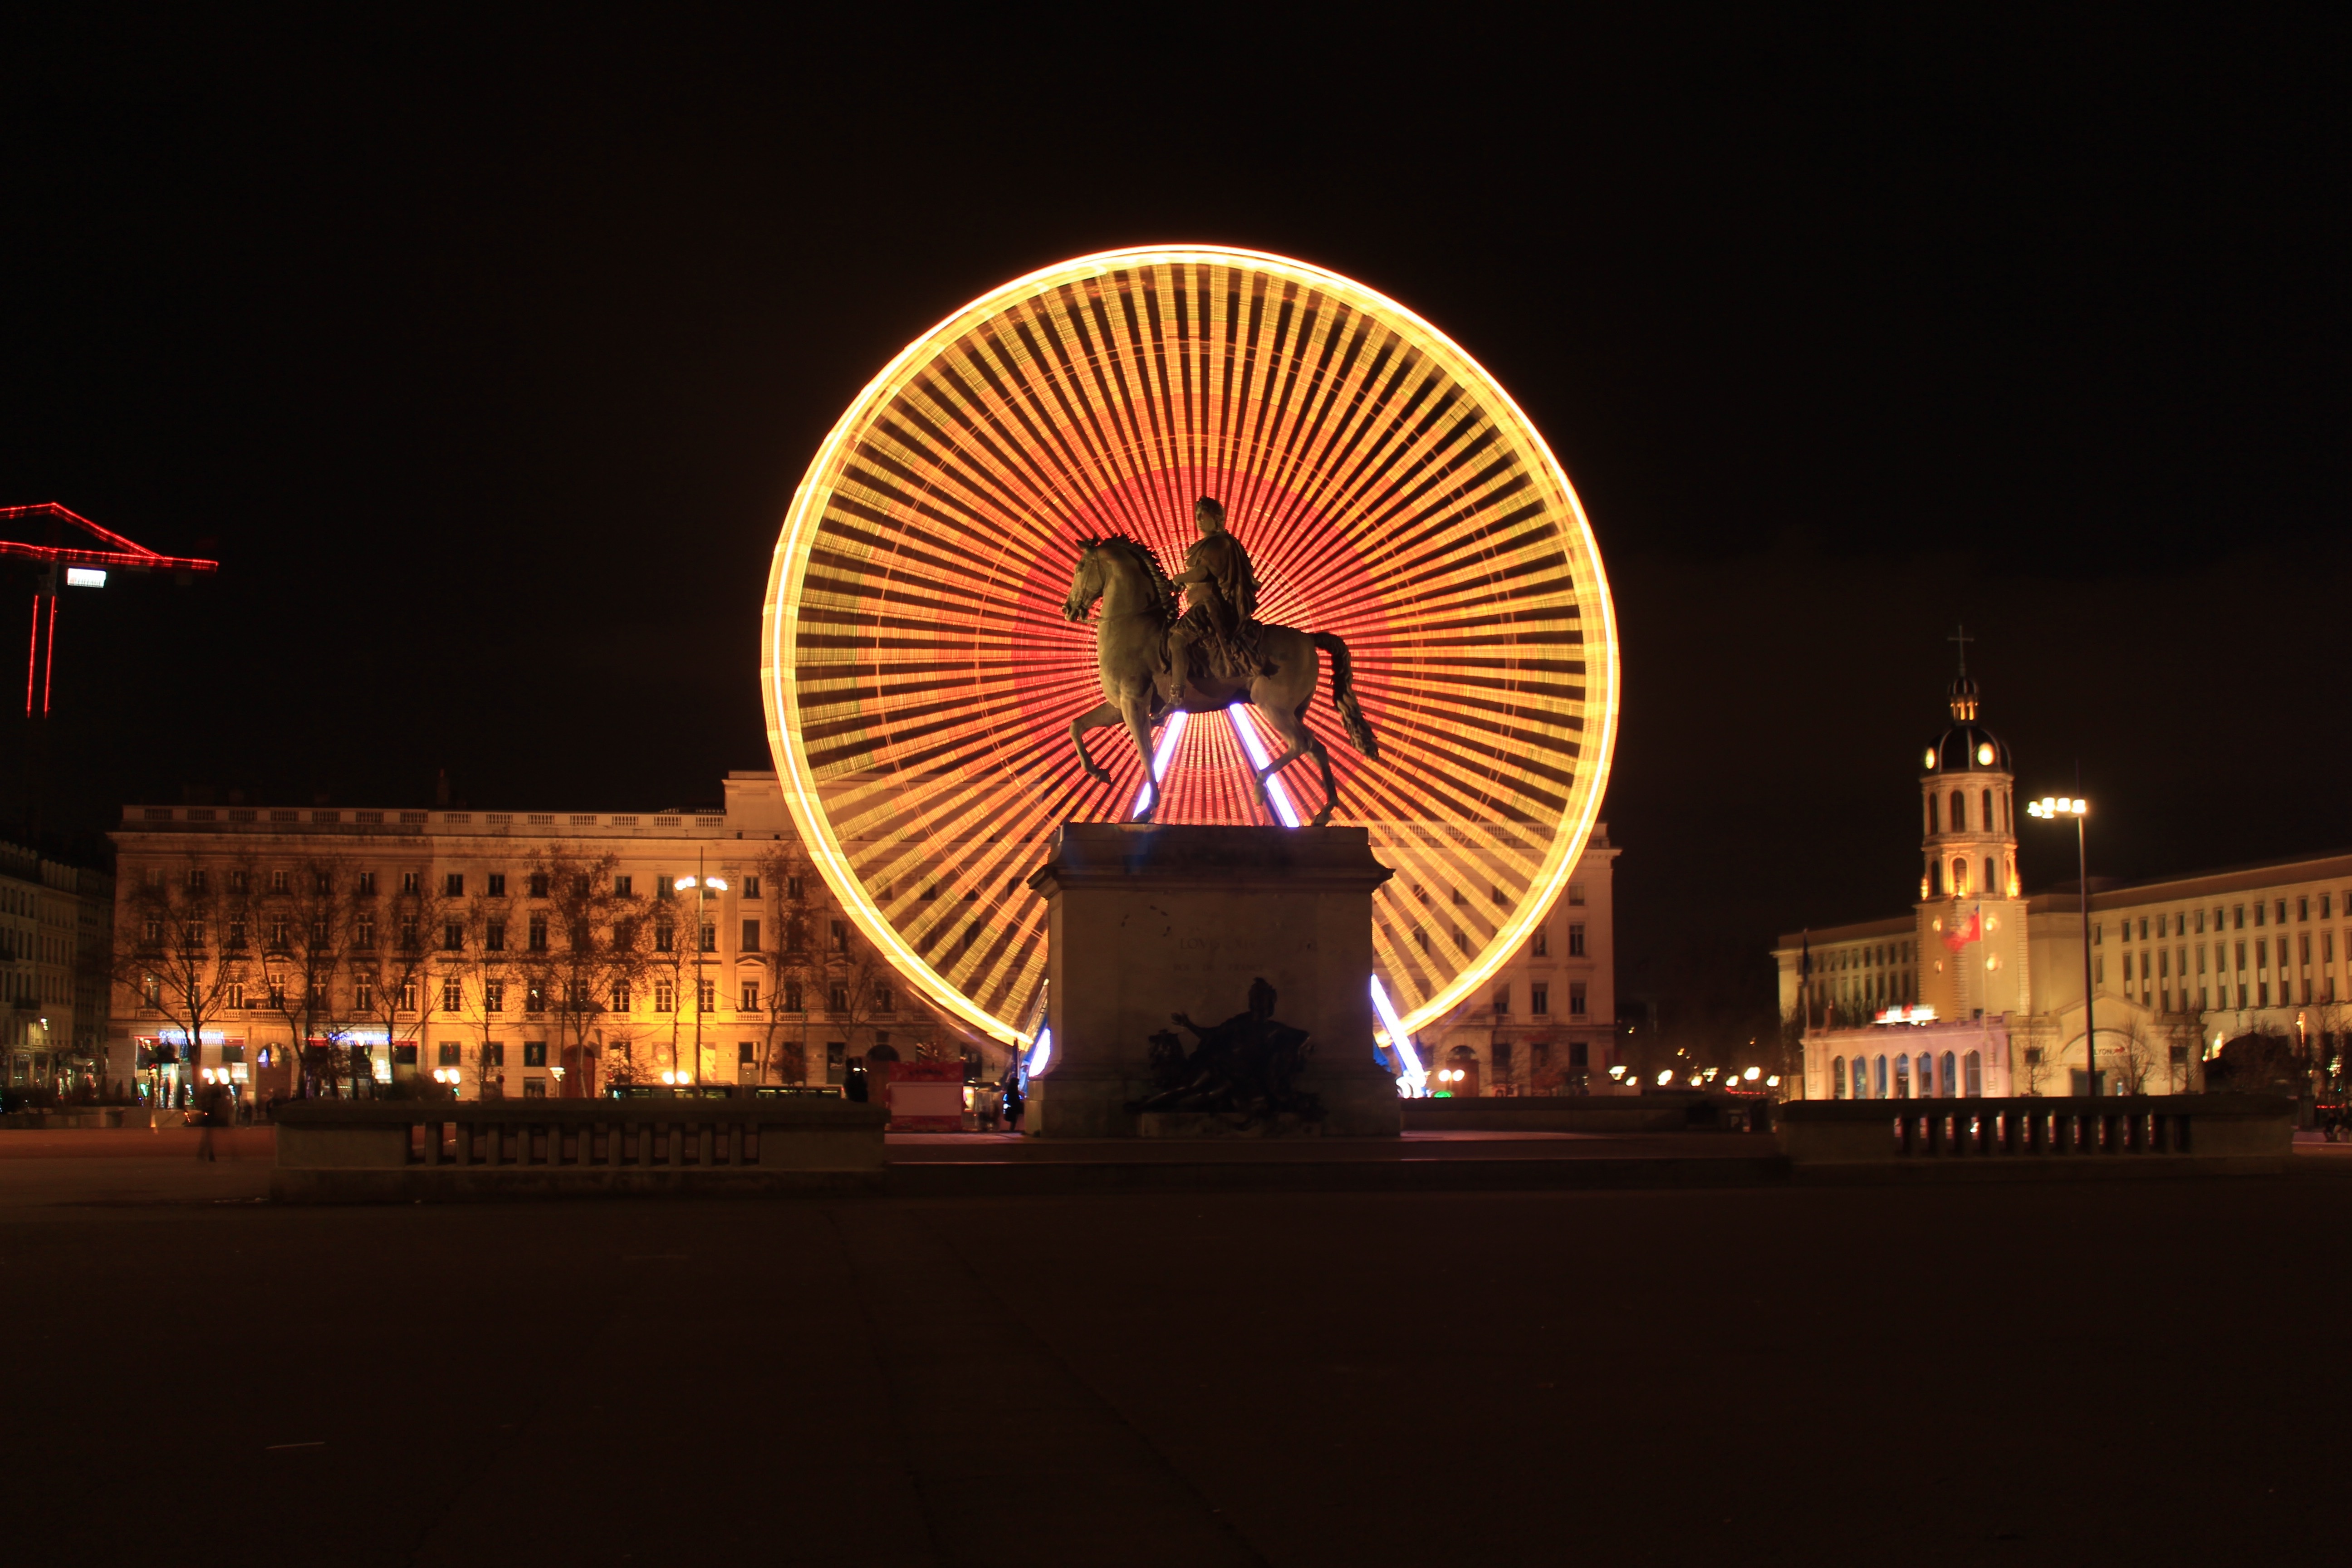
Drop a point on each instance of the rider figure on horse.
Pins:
(1220, 603)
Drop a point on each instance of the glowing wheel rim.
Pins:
(919, 679)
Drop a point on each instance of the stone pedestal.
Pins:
(1147, 921)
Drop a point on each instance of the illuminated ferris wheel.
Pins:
(919, 677)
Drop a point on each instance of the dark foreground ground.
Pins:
(2115, 1372)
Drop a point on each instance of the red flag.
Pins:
(1959, 936)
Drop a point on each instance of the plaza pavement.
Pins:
(2127, 1372)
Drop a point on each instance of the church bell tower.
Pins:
(1971, 949)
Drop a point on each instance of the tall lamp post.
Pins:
(702, 887)
(2050, 808)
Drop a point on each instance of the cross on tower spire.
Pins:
(1960, 636)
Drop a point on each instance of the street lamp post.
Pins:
(703, 887)
(2050, 807)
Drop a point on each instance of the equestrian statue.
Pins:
(1154, 662)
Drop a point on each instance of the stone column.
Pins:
(1147, 921)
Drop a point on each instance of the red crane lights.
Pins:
(84, 567)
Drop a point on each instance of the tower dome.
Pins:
(1967, 746)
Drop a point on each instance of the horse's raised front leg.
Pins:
(1298, 744)
(1097, 718)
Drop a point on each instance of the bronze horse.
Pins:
(1139, 604)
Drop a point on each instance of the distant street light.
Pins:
(2050, 808)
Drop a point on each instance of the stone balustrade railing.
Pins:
(400, 1151)
(2251, 1131)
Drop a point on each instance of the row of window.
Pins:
(1539, 999)
(2286, 950)
(417, 818)
(2231, 918)
(1867, 957)
(1988, 821)
(1951, 1078)
(2242, 995)
(198, 880)
(280, 930)
(30, 947)
(18, 986)
(791, 998)
(1539, 944)
(1884, 985)
(1495, 895)
(1957, 885)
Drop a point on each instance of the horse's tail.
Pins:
(1343, 693)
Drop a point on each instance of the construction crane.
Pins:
(57, 564)
(83, 567)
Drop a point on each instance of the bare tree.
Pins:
(390, 955)
(303, 913)
(172, 953)
(859, 985)
(582, 948)
(2133, 1054)
(492, 986)
(787, 967)
(670, 966)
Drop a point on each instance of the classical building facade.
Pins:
(54, 921)
(382, 943)
(1546, 1023)
(1979, 990)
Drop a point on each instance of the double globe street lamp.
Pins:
(2049, 808)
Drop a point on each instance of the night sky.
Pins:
(486, 358)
